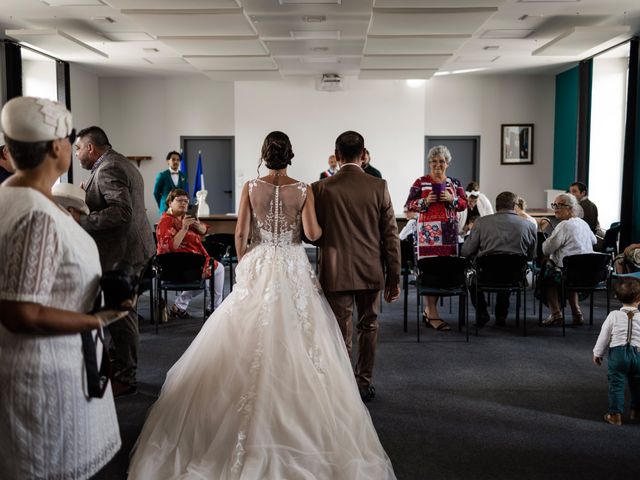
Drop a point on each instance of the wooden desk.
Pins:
(227, 223)
(220, 223)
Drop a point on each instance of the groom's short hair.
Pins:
(349, 146)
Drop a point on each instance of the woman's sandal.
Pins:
(442, 326)
(553, 319)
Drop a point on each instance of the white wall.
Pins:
(85, 108)
(147, 116)
(478, 105)
(389, 114)
(39, 78)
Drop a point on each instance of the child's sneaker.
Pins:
(613, 418)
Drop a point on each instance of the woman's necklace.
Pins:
(276, 174)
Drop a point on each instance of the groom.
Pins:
(359, 251)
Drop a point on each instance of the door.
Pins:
(217, 168)
(465, 156)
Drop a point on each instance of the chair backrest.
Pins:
(611, 238)
(180, 267)
(407, 253)
(147, 275)
(501, 269)
(214, 248)
(443, 272)
(541, 237)
(226, 239)
(586, 270)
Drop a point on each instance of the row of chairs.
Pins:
(450, 277)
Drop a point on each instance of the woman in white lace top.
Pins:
(572, 236)
(49, 276)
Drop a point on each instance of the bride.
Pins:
(266, 389)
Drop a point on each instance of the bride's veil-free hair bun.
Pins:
(276, 151)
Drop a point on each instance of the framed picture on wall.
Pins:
(517, 144)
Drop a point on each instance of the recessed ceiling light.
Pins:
(316, 35)
(103, 19)
(319, 60)
(128, 36)
(310, 2)
(314, 18)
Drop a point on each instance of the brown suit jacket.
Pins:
(359, 232)
(117, 220)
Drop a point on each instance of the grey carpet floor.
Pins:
(502, 406)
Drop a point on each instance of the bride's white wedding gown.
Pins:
(266, 389)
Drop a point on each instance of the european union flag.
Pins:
(183, 169)
(199, 182)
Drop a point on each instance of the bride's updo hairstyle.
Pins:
(276, 151)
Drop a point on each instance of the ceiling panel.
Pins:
(168, 4)
(232, 63)
(437, 3)
(395, 74)
(426, 44)
(428, 21)
(229, 46)
(192, 22)
(314, 47)
(579, 40)
(56, 43)
(374, 62)
(243, 75)
(296, 66)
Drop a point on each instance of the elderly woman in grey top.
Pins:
(572, 236)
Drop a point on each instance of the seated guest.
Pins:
(333, 168)
(478, 205)
(572, 236)
(49, 279)
(169, 179)
(521, 211)
(579, 190)
(501, 232)
(411, 226)
(629, 260)
(366, 165)
(178, 232)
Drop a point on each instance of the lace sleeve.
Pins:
(29, 260)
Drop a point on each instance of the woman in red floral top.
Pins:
(178, 232)
(437, 199)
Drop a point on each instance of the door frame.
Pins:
(476, 160)
(184, 138)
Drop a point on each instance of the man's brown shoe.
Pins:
(613, 418)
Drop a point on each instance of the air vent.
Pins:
(330, 82)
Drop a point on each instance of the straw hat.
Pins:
(69, 195)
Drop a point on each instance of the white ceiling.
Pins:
(274, 39)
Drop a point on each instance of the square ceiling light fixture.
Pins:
(310, 2)
(56, 43)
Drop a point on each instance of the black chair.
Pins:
(147, 282)
(181, 271)
(502, 272)
(588, 273)
(407, 267)
(536, 264)
(610, 242)
(443, 277)
(222, 247)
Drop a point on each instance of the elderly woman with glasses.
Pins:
(572, 236)
(179, 232)
(437, 199)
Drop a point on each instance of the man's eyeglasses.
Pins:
(558, 206)
(72, 136)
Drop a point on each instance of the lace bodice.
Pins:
(276, 213)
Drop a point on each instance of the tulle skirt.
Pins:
(265, 391)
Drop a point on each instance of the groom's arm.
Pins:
(315, 188)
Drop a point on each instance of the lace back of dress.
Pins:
(276, 213)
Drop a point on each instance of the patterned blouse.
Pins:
(168, 227)
(437, 222)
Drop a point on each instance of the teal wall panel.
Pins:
(565, 144)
